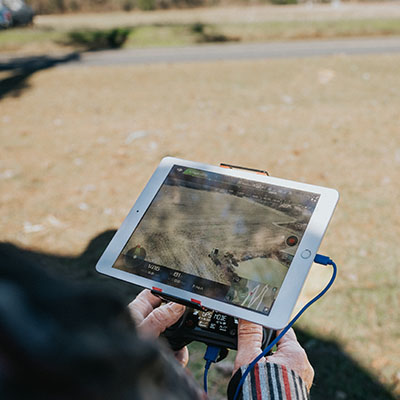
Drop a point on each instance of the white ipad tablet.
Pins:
(229, 240)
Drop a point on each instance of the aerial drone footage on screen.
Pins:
(220, 236)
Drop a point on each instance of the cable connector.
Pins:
(211, 356)
(323, 260)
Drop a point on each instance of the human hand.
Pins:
(152, 318)
(289, 352)
(250, 337)
(293, 356)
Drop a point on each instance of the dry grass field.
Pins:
(79, 144)
(226, 14)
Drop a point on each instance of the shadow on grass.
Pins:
(207, 34)
(21, 69)
(337, 375)
(79, 268)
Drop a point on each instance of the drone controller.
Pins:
(209, 327)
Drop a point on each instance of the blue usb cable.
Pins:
(319, 259)
(212, 352)
(211, 356)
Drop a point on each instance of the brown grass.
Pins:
(221, 15)
(70, 167)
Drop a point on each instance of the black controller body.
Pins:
(209, 327)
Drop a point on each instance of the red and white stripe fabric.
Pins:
(269, 381)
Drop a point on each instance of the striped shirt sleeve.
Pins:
(268, 381)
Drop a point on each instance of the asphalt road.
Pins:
(245, 51)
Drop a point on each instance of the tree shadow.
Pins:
(99, 39)
(337, 375)
(80, 268)
(207, 34)
(20, 69)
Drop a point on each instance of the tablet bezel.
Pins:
(291, 287)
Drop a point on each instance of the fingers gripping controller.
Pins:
(209, 327)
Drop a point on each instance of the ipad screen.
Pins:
(219, 236)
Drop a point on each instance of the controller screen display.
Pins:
(223, 237)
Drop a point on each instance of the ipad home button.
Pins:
(306, 254)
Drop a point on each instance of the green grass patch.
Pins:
(164, 35)
(177, 35)
(161, 36)
(18, 37)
